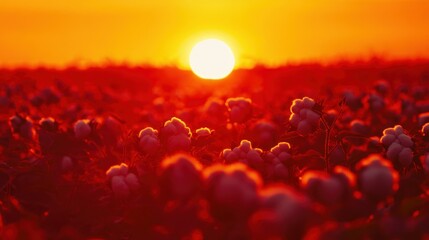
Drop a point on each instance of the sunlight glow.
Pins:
(212, 59)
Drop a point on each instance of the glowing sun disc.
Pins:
(212, 59)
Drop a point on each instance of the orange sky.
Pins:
(57, 33)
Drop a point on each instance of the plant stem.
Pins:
(327, 138)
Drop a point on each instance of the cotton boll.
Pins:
(120, 187)
(377, 178)
(277, 158)
(240, 109)
(180, 177)
(264, 134)
(176, 135)
(244, 153)
(148, 140)
(232, 191)
(283, 214)
(303, 118)
(82, 129)
(121, 181)
(398, 145)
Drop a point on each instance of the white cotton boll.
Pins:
(149, 141)
(405, 157)
(120, 187)
(132, 181)
(82, 129)
(244, 153)
(48, 124)
(303, 118)
(240, 109)
(176, 135)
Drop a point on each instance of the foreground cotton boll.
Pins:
(398, 145)
(148, 140)
(121, 181)
(323, 188)
(240, 109)
(244, 153)
(376, 178)
(22, 126)
(180, 177)
(232, 191)
(303, 118)
(82, 128)
(176, 135)
(277, 159)
(283, 214)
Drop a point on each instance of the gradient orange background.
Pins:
(57, 33)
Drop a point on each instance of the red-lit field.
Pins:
(299, 152)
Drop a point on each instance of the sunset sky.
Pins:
(57, 33)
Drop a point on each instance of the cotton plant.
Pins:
(398, 145)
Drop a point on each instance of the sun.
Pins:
(212, 59)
